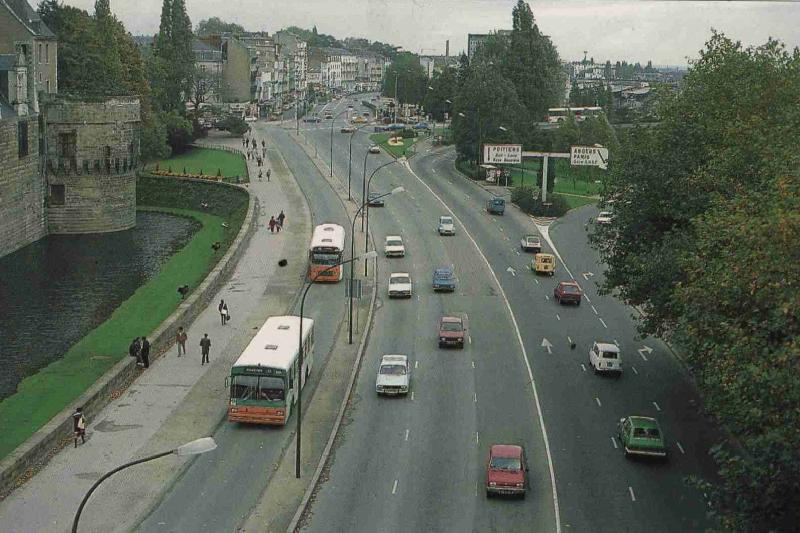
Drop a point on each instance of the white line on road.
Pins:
(469, 339)
(407, 431)
(546, 297)
(416, 364)
(569, 340)
(473, 364)
(412, 395)
(477, 438)
(536, 280)
(475, 397)
(595, 310)
(634, 370)
(656, 406)
(501, 229)
(633, 496)
(558, 317)
(583, 367)
(603, 322)
(643, 356)
(394, 487)
(680, 447)
(616, 343)
(598, 402)
(614, 442)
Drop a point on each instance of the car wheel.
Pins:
(522, 495)
(488, 493)
(627, 455)
(558, 301)
(578, 303)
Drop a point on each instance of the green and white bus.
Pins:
(264, 381)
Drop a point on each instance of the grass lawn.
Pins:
(578, 201)
(41, 396)
(382, 140)
(206, 161)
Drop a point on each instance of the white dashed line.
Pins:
(603, 322)
(617, 343)
(587, 298)
(407, 432)
(412, 395)
(558, 317)
(633, 496)
(595, 310)
(656, 406)
(536, 280)
(680, 447)
(598, 402)
(569, 340)
(477, 438)
(475, 397)
(517, 251)
(473, 364)
(634, 370)
(394, 487)
(416, 364)
(501, 229)
(546, 297)
(583, 367)
(614, 442)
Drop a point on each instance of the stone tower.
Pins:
(91, 153)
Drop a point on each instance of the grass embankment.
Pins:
(382, 140)
(206, 161)
(43, 395)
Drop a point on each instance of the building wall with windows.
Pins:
(20, 23)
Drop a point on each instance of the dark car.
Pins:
(421, 126)
(451, 332)
(379, 129)
(312, 119)
(444, 279)
(373, 199)
(568, 292)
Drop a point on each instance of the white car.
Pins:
(605, 357)
(394, 246)
(394, 375)
(604, 218)
(446, 226)
(399, 285)
(374, 149)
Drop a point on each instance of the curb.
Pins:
(33, 454)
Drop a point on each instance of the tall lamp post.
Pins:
(365, 257)
(203, 445)
(350, 160)
(366, 201)
(333, 121)
(352, 253)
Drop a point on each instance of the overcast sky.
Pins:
(664, 32)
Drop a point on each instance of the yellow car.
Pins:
(544, 264)
(359, 120)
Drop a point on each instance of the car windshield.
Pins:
(572, 289)
(533, 240)
(394, 242)
(610, 355)
(646, 433)
(443, 274)
(400, 279)
(445, 220)
(257, 388)
(451, 326)
(511, 464)
(393, 370)
(374, 195)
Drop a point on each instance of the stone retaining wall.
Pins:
(31, 455)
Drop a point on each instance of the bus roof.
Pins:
(276, 343)
(565, 109)
(328, 236)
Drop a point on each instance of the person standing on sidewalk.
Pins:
(180, 340)
(145, 353)
(223, 311)
(281, 219)
(205, 347)
(269, 173)
(272, 224)
(79, 426)
(133, 348)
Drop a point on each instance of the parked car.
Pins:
(506, 471)
(544, 264)
(328, 116)
(394, 246)
(374, 199)
(641, 435)
(348, 129)
(444, 279)
(496, 205)
(421, 126)
(394, 375)
(312, 119)
(604, 218)
(374, 149)
(399, 285)
(605, 357)
(531, 243)
(446, 226)
(358, 120)
(379, 129)
(395, 127)
(568, 292)
(366, 114)
(451, 332)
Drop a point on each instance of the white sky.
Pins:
(665, 32)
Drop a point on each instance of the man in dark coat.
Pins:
(145, 353)
(205, 347)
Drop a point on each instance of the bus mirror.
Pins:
(226, 382)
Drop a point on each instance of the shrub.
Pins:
(235, 125)
(467, 168)
(408, 133)
(524, 197)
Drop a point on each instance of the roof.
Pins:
(198, 45)
(644, 421)
(393, 237)
(29, 17)
(608, 347)
(328, 235)
(275, 343)
(398, 274)
(505, 450)
(453, 319)
(394, 359)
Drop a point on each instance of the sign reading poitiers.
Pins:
(591, 156)
(502, 153)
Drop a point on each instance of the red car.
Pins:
(506, 471)
(451, 332)
(568, 292)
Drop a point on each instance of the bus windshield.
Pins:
(321, 258)
(258, 388)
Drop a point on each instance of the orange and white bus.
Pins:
(327, 247)
(559, 114)
(264, 381)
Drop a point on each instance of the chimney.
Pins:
(447, 48)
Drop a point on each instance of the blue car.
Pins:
(395, 127)
(444, 279)
(421, 126)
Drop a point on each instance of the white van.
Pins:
(605, 357)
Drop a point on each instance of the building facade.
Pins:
(19, 22)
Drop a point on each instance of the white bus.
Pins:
(559, 114)
(264, 381)
(327, 247)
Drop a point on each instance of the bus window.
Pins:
(244, 387)
(271, 388)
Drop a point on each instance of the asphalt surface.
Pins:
(417, 463)
(217, 492)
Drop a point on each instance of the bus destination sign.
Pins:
(264, 371)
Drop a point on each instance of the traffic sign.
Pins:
(502, 153)
(589, 156)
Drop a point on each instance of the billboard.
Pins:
(591, 156)
(502, 153)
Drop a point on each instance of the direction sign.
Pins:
(502, 153)
(591, 156)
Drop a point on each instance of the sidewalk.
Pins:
(176, 400)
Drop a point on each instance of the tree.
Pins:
(445, 86)
(205, 84)
(410, 77)
(172, 65)
(216, 25)
(106, 50)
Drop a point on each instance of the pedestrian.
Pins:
(205, 346)
(260, 175)
(278, 226)
(137, 351)
(272, 224)
(180, 340)
(145, 353)
(249, 154)
(223, 311)
(79, 426)
(281, 219)
(263, 145)
(132, 349)
(264, 152)
(269, 173)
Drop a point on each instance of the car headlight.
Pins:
(379, 387)
(492, 484)
(520, 485)
(403, 387)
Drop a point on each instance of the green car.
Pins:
(641, 435)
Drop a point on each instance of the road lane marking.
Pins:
(394, 487)
(603, 322)
(558, 317)
(517, 252)
(475, 397)
(680, 447)
(412, 395)
(614, 442)
(536, 280)
(546, 297)
(656, 406)
(407, 431)
(416, 364)
(473, 364)
(477, 438)
(476, 489)
(583, 367)
(501, 228)
(634, 370)
(524, 352)
(633, 496)
(587, 298)
(595, 310)
(643, 356)
(598, 401)
(569, 339)
(469, 339)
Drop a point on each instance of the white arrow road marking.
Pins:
(512, 270)
(547, 345)
(475, 398)
(587, 275)
(473, 364)
(416, 364)
(656, 406)
(646, 349)
(517, 251)
(412, 395)
(546, 297)
(477, 438)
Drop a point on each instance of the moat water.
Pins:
(55, 291)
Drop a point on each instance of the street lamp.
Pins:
(366, 199)
(396, 190)
(350, 159)
(203, 445)
(349, 108)
(365, 257)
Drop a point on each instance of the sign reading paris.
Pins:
(593, 156)
(502, 153)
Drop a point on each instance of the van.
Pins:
(496, 205)
(605, 357)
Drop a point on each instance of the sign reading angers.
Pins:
(594, 156)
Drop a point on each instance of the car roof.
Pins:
(451, 319)
(393, 237)
(570, 282)
(398, 274)
(394, 359)
(607, 347)
(532, 237)
(644, 422)
(445, 216)
(505, 450)
(447, 269)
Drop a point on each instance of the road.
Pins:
(403, 465)
(217, 491)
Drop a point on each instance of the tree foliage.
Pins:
(444, 85)
(216, 25)
(172, 63)
(412, 82)
(705, 240)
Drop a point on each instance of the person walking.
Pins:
(264, 153)
(223, 311)
(269, 173)
(281, 219)
(272, 224)
(132, 349)
(79, 426)
(260, 175)
(205, 347)
(145, 353)
(263, 145)
(180, 340)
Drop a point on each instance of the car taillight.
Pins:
(520, 485)
(492, 484)
(280, 412)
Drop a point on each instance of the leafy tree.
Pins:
(235, 125)
(172, 65)
(179, 131)
(412, 82)
(445, 86)
(106, 50)
(705, 241)
(205, 84)
(216, 25)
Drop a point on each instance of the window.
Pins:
(57, 194)
(40, 52)
(86, 166)
(47, 60)
(48, 85)
(22, 138)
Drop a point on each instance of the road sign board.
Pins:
(502, 153)
(356, 289)
(591, 156)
